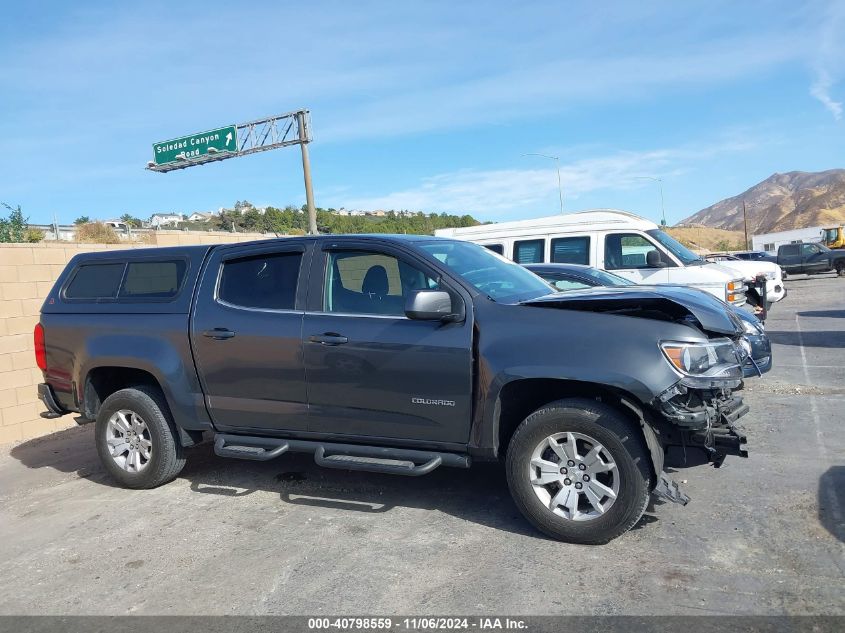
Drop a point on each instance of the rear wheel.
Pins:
(136, 439)
(840, 268)
(579, 471)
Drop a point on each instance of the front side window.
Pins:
(632, 250)
(500, 279)
(680, 251)
(604, 278)
(571, 250)
(95, 281)
(809, 249)
(528, 251)
(559, 282)
(365, 282)
(266, 281)
(153, 280)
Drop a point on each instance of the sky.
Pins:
(431, 106)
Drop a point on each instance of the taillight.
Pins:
(40, 351)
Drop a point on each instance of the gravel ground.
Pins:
(761, 536)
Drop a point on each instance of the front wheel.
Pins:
(840, 269)
(579, 471)
(136, 439)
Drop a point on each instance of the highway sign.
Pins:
(187, 148)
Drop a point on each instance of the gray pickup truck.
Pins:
(809, 259)
(395, 354)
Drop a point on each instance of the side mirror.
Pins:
(653, 260)
(428, 305)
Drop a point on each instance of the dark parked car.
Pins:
(395, 354)
(565, 277)
(755, 256)
(759, 256)
(811, 258)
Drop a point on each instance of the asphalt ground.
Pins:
(763, 535)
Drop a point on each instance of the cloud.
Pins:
(540, 88)
(492, 194)
(829, 64)
(821, 91)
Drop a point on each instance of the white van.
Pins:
(622, 242)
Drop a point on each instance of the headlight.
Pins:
(715, 363)
(735, 292)
(751, 328)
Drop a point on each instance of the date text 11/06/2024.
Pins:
(418, 623)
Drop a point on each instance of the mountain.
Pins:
(793, 200)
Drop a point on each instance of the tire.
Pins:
(622, 444)
(155, 444)
(840, 269)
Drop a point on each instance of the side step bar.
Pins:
(393, 461)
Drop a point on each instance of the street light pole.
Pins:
(559, 185)
(660, 187)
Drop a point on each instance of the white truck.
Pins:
(613, 240)
(750, 271)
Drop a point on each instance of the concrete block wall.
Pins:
(27, 274)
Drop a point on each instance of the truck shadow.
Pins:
(832, 338)
(479, 495)
(834, 314)
(831, 501)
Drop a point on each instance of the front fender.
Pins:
(601, 351)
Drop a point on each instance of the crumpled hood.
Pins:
(673, 302)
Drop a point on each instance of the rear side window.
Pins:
(528, 251)
(153, 280)
(95, 281)
(261, 281)
(496, 248)
(571, 250)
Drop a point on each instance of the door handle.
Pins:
(329, 338)
(219, 333)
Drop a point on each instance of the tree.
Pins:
(131, 221)
(229, 220)
(275, 221)
(82, 219)
(252, 220)
(16, 229)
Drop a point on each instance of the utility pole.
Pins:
(559, 185)
(306, 172)
(745, 223)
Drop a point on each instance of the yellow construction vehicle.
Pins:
(834, 237)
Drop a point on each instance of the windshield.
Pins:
(605, 278)
(680, 251)
(500, 279)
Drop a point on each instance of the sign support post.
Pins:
(306, 173)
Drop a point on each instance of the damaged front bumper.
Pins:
(702, 426)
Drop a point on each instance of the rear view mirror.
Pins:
(428, 305)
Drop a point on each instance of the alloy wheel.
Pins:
(129, 442)
(574, 476)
